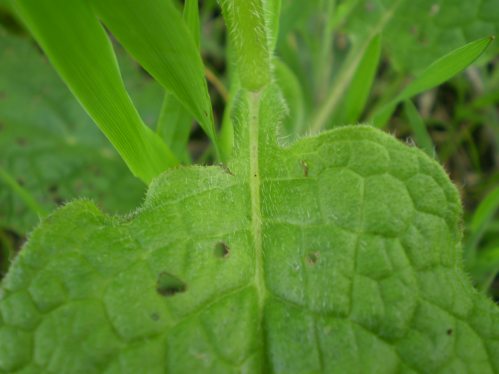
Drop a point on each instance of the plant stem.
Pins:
(217, 83)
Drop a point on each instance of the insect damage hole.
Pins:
(169, 285)
(221, 250)
(313, 258)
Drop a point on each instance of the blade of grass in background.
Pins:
(418, 127)
(322, 118)
(81, 52)
(482, 217)
(154, 32)
(438, 72)
(486, 267)
(175, 122)
(25, 196)
(294, 123)
(356, 97)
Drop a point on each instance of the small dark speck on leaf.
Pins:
(22, 142)
(449, 332)
(169, 285)
(222, 250)
(155, 316)
(313, 258)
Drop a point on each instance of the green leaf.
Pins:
(481, 218)
(161, 41)
(438, 72)
(174, 127)
(175, 122)
(50, 146)
(418, 127)
(355, 99)
(294, 122)
(337, 254)
(191, 18)
(81, 52)
(421, 31)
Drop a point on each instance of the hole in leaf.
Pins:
(169, 285)
(313, 258)
(221, 250)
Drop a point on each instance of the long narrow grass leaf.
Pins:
(438, 72)
(22, 193)
(418, 127)
(191, 18)
(481, 218)
(356, 97)
(174, 127)
(81, 52)
(154, 32)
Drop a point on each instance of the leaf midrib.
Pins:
(254, 183)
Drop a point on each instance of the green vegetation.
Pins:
(276, 234)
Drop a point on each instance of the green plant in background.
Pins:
(338, 252)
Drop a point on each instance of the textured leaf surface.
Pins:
(338, 254)
(422, 31)
(51, 146)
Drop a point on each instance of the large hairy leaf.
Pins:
(338, 254)
(50, 146)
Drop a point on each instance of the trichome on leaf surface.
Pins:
(336, 253)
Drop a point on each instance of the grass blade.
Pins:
(175, 122)
(81, 52)
(174, 127)
(22, 193)
(162, 43)
(418, 127)
(191, 18)
(438, 72)
(480, 220)
(358, 92)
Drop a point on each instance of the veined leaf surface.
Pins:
(338, 254)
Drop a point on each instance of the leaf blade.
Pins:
(438, 72)
(162, 43)
(82, 54)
